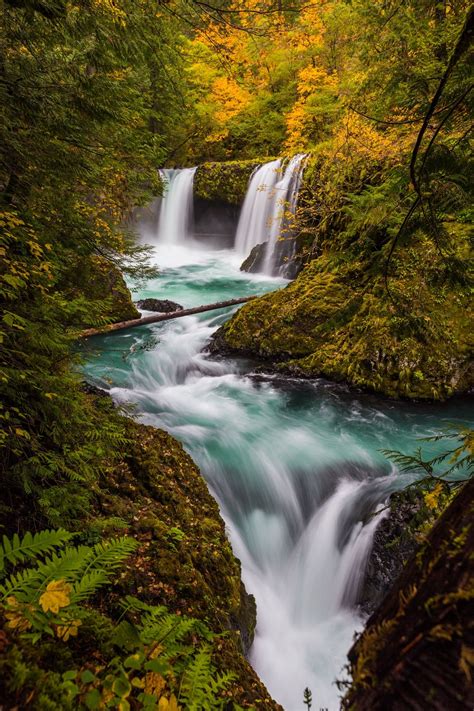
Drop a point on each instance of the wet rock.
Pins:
(160, 305)
(394, 543)
(412, 653)
(254, 262)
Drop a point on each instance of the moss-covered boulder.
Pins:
(102, 283)
(224, 182)
(339, 319)
(417, 650)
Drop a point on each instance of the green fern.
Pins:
(88, 585)
(45, 599)
(111, 554)
(199, 687)
(18, 550)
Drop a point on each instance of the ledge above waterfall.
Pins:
(224, 182)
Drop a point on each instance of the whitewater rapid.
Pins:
(295, 467)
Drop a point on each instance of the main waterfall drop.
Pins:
(269, 208)
(257, 210)
(175, 225)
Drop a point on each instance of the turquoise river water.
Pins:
(295, 465)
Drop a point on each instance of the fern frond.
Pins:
(195, 681)
(31, 545)
(169, 627)
(200, 687)
(88, 585)
(22, 585)
(111, 554)
(68, 564)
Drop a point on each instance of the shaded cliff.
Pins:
(417, 650)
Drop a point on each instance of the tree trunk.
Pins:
(163, 317)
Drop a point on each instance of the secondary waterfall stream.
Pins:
(295, 466)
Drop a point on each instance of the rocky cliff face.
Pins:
(417, 649)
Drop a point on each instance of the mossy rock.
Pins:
(337, 319)
(417, 647)
(224, 182)
(101, 283)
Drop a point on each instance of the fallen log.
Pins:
(163, 317)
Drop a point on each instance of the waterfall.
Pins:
(296, 467)
(268, 208)
(284, 208)
(175, 225)
(258, 208)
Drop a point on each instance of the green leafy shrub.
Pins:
(145, 658)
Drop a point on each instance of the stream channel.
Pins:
(295, 465)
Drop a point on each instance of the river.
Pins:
(295, 465)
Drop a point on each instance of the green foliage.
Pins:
(157, 657)
(80, 141)
(448, 470)
(200, 688)
(225, 182)
(30, 546)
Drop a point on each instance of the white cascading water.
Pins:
(284, 207)
(176, 212)
(257, 210)
(295, 466)
(293, 507)
(268, 206)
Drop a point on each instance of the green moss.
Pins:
(334, 320)
(225, 182)
(102, 283)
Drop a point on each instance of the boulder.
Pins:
(254, 262)
(394, 543)
(160, 305)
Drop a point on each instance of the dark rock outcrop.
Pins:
(159, 305)
(254, 262)
(416, 651)
(394, 543)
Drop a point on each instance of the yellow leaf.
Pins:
(16, 621)
(432, 498)
(170, 704)
(56, 596)
(69, 630)
(154, 683)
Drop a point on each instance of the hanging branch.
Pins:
(462, 45)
